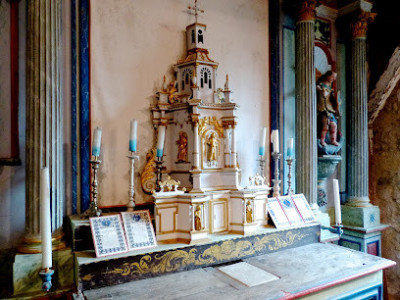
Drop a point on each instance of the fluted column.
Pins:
(358, 115)
(306, 119)
(44, 138)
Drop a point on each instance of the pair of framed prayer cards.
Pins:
(120, 233)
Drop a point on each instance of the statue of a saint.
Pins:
(327, 109)
(249, 213)
(197, 219)
(182, 143)
(212, 147)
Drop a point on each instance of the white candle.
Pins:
(133, 136)
(96, 141)
(45, 219)
(160, 141)
(275, 140)
(263, 136)
(290, 148)
(336, 197)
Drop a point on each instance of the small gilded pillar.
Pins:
(306, 119)
(358, 115)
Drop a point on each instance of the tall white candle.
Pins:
(45, 218)
(275, 140)
(160, 141)
(263, 136)
(290, 148)
(336, 197)
(133, 136)
(96, 141)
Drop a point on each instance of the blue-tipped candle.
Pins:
(133, 136)
(263, 136)
(96, 142)
(160, 141)
(290, 148)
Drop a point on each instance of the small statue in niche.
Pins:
(212, 147)
(182, 143)
(327, 109)
(197, 219)
(249, 213)
(171, 91)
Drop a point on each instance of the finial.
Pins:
(164, 86)
(226, 86)
(196, 10)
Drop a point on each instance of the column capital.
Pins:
(359, 25)
(307, 10)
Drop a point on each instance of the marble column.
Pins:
(44, 139)
(358, 115)
(306, 122)
(233, 153)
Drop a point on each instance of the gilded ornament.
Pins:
(178, 259)
(212, 147)
(308, 10)
(360, 26)
(211, 121)
(148, 177)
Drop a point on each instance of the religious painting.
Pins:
(322, 29)
(9, 149)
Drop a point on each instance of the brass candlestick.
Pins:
(131, 192)
(290, 161)
(94, 210)
(276, 180)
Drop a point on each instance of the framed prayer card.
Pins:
(108, 235)
(277, 214)
(304, 208)
(290, 210)
(139, 230)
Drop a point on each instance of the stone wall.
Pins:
(385, 183)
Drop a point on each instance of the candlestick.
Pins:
(290, 161)
(45, 219)
(263, 136)
(94, 210)
(46, 278)
(277, 182)
(159, 166)
(336, 197)
(290, 148)
(275, 140)
(96, 141)
(133, 136)
(262, 165)
(131, 193)
(160, 141)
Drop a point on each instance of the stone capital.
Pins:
(359, 26)
(307, 10)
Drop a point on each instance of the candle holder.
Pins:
(94, 210)
(337, 228)
(131, 193)
(159, 166)
(276, 188)
(290, 161)
(46, 275)
(262, 165)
